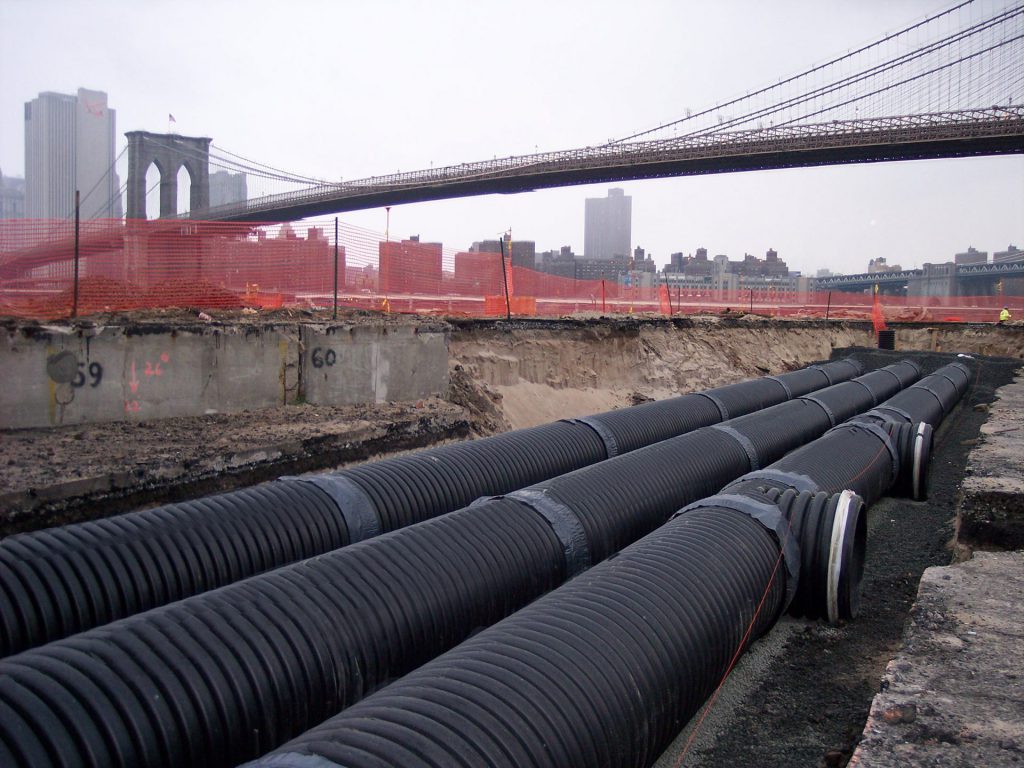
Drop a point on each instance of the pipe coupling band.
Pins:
(874, 397)
(947, 378)
(768, 515)
(357, 510)
(878, 432)
(913, 365)
(296, 760)
(793, 480)
(886, 369)
(857, 365)
(828, 376)
(718, 404)
(611, 445)
(933, 393)
(821, 404)
(783, 384)
(744, 442)
(892, 409)
(563, 521)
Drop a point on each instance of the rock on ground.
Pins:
(954, 696)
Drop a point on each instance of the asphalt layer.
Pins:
(801, 695)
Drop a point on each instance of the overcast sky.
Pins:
(352, 89)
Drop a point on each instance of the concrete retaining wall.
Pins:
(55, 375)
(344, 365)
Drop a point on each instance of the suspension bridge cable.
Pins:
(939, 68)
(873, 71)
(104, 176)
(794, 78)
(269, 167)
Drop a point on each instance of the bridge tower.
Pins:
(169, 152)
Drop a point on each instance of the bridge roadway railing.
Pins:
(946, 134)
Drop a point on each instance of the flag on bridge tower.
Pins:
(170, 118)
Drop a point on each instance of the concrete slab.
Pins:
(348, 364)
(954, 695)
(69, 374)
(992, 506)
(82, 374)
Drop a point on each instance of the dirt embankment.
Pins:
(975, 339)
(541, 373)
(67, 474)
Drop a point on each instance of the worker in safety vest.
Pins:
(1005, 315)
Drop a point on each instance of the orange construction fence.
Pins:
(139, 265)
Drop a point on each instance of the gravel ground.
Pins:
(67, 474)
(802, 695)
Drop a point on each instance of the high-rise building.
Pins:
(69, 145)
(226, 188)
(971, 256)
(12, 197)
(410, 266)
(1011, 254)
(608, 227)
(561, 263)
(523, 253)
(880, 266)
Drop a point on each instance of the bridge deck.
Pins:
(969, 133)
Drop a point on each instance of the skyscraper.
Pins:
(12, 197)
(227, 188)
(608, 226)
(69, 145)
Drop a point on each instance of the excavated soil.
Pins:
(541, 372)
(66, 474)
(1002, 341)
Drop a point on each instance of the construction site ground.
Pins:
(799, 697)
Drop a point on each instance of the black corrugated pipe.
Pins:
(886, 450)
(607, 669)
(223, 676)
(59, 581)
(930, 399)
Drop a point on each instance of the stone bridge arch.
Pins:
(169, 152)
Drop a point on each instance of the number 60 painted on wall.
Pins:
(319, 357)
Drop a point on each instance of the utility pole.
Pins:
(504, 278)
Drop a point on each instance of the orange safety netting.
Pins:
(138, 265)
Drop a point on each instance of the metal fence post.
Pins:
(74, 302)
(335, 267)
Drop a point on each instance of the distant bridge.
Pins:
(901, 278)
(967, 133)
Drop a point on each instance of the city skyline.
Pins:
(329, 105)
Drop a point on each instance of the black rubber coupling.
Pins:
(914, 444)
(831, 532)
